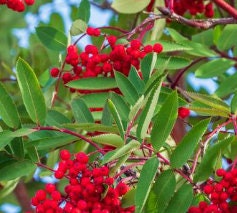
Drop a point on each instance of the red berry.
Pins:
(40, 195)
(208, 189)
(29, 2)
(49, 187)
(82, 157)
(157, 48)
(65, 154)
(183, 112)
(59, 174)
(54, 72)
(56, 196)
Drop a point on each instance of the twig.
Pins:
(227, 7)
(67, 131)
(197, 23)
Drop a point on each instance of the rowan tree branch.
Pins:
(197, 23)
(227, 7)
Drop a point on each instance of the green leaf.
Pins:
(121, 106)
(33, 153)
(129, 198)
(52, 38)
(137, 82)
(8, 187)
(207, 111)
(205, 37)
(91, 127)
(234, 104)
(199, 49)
(95, 100)
(8, 111)
(117, 117)
(227, 86)
(84, 11)
(145, 183)
(129, 6)
(31, 92)
(206, 166)
(147, 66)
(119, 152)
(109, 139)
(16, 169)
(78, 27)
(17, 147)
(165, 120)
(228, 37)
(127, 88)
(137, 106)
(186, 147)
(148, 112)
(214, 68)
(163, 191)
(53, 142)
(174, 63)
(181, 200)
(81, 112)
(7, 136)
(210, 101)
(55, 118)
(97, 83)
(176, 35)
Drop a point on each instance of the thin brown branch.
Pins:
(197, 23)
(23, 197)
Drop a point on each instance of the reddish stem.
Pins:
(209, 136)
(67, 131)
(227, 7)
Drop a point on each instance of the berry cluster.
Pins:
(90, 189)
(17, 5)
(222, 194)
(93, 62)
(193, 7)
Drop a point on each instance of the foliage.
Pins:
(123, 101)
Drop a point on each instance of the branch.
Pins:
(197, 23)
(23, 197)
(227, 7)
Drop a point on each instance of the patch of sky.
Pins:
(98, 18)
(197, 83)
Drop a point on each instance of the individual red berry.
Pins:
(208, 189)
(148, 48)
(65, 154)
(59, 174)
(82, 204)
(122, 188)
(34, 201)
(29, 2)
(49, 187)
(157, 48)
(112, 40)
(67, 76)
(82, 157)
(54, 72)
(135, 44)
(40, 195)
(183, 112)
(56, 195)
(91, 49)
